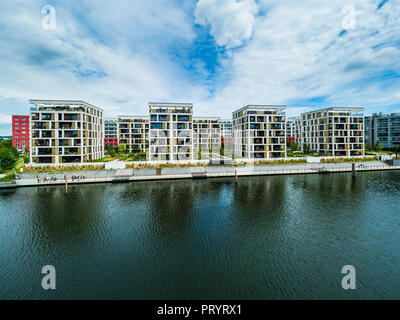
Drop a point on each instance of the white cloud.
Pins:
(231, 21)
(296, 54)
(121, 55)
(5, 119)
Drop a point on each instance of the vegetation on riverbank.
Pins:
(120, 153)
(60, 168)
(10, 159)
(340, 160)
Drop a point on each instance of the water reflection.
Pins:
(266, 237)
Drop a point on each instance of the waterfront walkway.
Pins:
(130, 175)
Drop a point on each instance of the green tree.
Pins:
(306, 149)
(8, 155)
(294, 146)
(109, 149)
(122, 148)
(379, 146)
(135, 149)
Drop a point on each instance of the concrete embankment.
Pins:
(131, 175)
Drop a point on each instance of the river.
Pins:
(276, 237)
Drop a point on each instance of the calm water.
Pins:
(268, 238)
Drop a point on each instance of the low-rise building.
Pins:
(65, 131)
(171, 131)
(20, 132)
(336, 131)
(134, 133)
(259, 132)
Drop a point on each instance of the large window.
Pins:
(156, 126)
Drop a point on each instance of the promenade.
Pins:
(131, 175)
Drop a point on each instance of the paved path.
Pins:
(100, 176)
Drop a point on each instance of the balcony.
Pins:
(41, 143)
(71, 134)
(70, 117)
(71, 151)
(39, 125)
(66, 126)
(44, 151)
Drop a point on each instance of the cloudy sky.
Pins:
(218, 54)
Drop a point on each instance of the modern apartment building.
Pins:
(383, 128)
(111, 132)
(297, 130)
(290, 129)
(226, 130)
(206, 137)
(259, 132)
(134, 133)
(65, 131)
(171, 131)
(334, 131)
(20, 132)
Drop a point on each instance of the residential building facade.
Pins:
(384, 129)
(206, 137)
(226, 131)
(336, 131)
(65, 131)
(111, 132)
(290, 129)
(133, 132)
(259, 132)
(171, 131)
(20, 132)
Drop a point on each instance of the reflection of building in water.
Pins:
(260, 195)
(62, 218)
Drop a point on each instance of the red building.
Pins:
(112, 141)
(20, 132)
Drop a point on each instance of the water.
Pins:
(281, 237)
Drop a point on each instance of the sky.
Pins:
(218, 54)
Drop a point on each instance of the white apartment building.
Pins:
(110, 128)
(133, 132)
(293, 128)
(65, 131)
(226, 128)
(206, 137)
(336, 131)
(259, 132)
(171, 131)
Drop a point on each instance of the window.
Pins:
(156, 126)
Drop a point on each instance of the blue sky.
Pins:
(218, 54)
